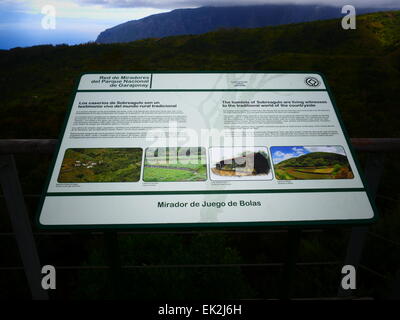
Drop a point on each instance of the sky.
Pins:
(283, 153)
(22, 22)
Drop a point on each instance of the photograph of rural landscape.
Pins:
(101, 165)
(311, 163)
(166, 164)
(240, 163)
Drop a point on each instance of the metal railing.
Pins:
(375, 147)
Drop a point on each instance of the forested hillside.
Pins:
(362, 67)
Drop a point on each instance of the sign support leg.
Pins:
(373, 174)
(21, 225)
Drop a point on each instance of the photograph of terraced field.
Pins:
(240, 163)
(175, 164)
(82, 165)
(311, 163)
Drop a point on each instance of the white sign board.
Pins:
(203, 149)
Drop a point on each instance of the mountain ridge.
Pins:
(206, 19)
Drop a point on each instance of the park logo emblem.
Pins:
(312, 82)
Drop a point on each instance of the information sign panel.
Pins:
(203, 149)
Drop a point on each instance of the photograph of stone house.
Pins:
(247, 163)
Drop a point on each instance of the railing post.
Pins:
(21, 225)
(373, 173)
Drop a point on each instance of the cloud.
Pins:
(77, 9)
(279, 156)
(333, 149)
(173, 4)
(298, 150)
(286, 152)
(21, 21)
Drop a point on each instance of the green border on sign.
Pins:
(211, 225)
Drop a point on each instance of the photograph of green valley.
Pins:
(101, 165)
(311, 162)
(45, 46)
